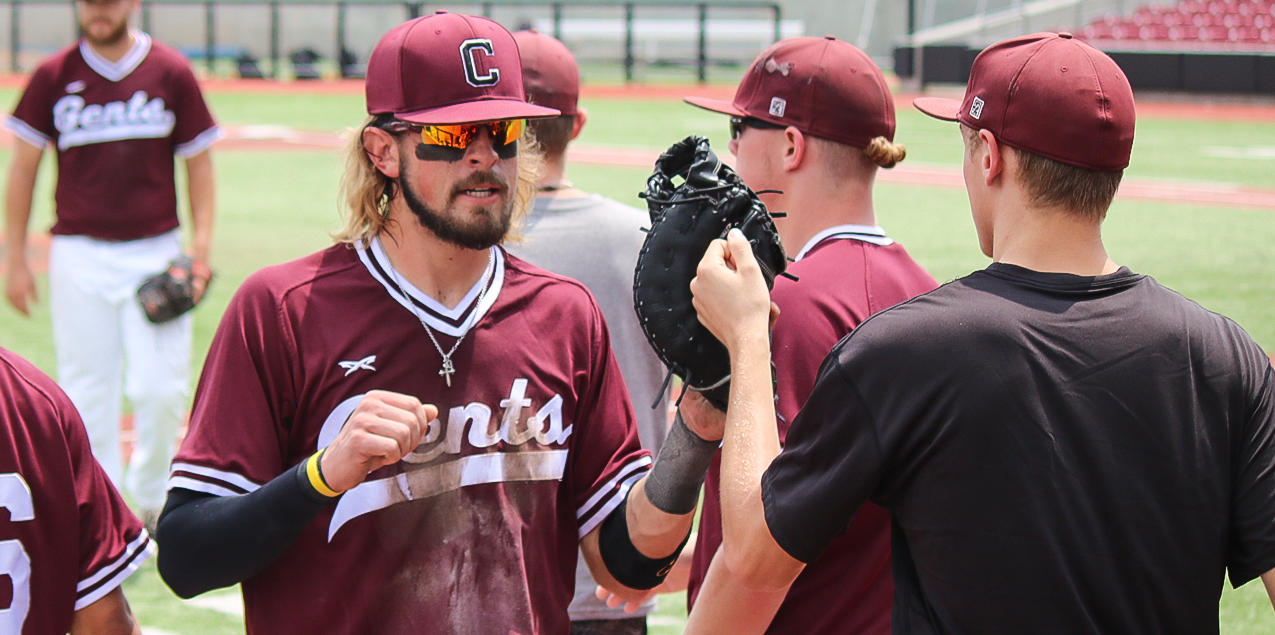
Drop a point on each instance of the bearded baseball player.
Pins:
(412, 431)
(811, 124)
(117, 107)
(67, 540)
(595, 240)
(1064, 445)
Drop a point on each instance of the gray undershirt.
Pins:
(596, 240)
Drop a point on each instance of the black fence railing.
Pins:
(414, 9)
(1242, 73)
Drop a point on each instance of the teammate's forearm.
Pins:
(727, 607)
(23, 168)
(655, 533)
(201, 181)
(109, 615)
(212, 542)
(614, 557)
(635, 547)
(17, 216)
(661, 507)
(750, 444)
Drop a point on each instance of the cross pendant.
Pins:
(447, 370)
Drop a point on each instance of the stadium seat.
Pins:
(1214, 34)
(1249, 35)
(1250, 22)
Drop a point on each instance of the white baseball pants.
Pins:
(104, 343)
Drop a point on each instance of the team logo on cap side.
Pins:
(775, 67)
(777, 106)
(469, 56)
(976, 108)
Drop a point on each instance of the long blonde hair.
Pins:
(367, 192)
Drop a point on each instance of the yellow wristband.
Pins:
(316, 478)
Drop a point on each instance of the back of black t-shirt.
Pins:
(1062, 454)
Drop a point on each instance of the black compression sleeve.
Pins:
(623, 560)
(210, 542)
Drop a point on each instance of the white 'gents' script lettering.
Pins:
(81, 124)
(473, 423)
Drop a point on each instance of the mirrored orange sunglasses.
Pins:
(459, 136)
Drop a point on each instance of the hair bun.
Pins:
(885, 153)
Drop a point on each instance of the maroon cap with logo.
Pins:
(448, 68)
(549, 72)
(1051, 95)
(824, 87)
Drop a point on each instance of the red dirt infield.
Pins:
(1157, 106)
(282, 138)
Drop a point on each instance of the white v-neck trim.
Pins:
(115, 71)
(867, 233)
(417, 297)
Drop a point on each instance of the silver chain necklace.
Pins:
(448, 368)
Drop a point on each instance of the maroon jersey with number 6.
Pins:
(845, 275)
(477, 529)
(66, 537)
(116, 127)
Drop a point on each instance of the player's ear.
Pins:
(382, 150)
(582, 117)
(794, 148)
(992, 161)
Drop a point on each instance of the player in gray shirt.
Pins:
(595, 240)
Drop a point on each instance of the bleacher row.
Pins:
(1214, 21)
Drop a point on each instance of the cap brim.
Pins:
(475, 111)
(716, 105)
(939, 108)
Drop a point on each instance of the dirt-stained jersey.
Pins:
(66, 537)
(116, 127)
(477, 530)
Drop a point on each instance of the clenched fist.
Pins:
(383, 428)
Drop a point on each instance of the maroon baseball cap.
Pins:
(549, 72)
(1048, 94)
(824, 87)
(448, 68)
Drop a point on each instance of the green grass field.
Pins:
(278, 205)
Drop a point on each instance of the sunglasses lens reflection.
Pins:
(512, 130)
(461, 135)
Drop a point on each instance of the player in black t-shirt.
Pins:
(1066, 446)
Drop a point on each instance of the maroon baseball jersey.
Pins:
(476, 530)
(66, 536)
(116, 127)
(845, 274)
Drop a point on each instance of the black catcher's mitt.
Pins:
(169, 294)
(685, 218)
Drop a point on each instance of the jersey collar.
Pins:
(453, 322)
(866, 233)
(115, 71)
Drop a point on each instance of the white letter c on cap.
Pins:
(467, 51)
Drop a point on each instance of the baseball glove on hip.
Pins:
(685, 218)
(167, 295)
